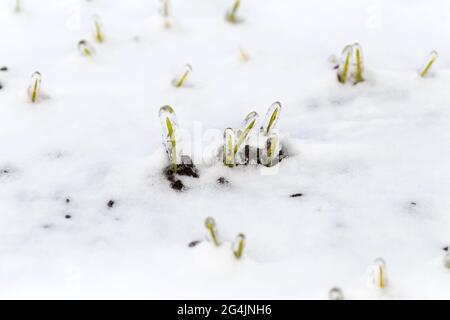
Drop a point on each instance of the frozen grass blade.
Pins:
(346, 56)
(165, 12)
(85, 48)
(210, 224)
(238, 246)
(231, 14)
(247, 126)
(378, 275)
(430, 61)
(228, 147)
(272, 149)
(336, 294)
(359, 62)
(179, 81)
(169, 125)
(98, 29)
(35, 86)
(271, 118)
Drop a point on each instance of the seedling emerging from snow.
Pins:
(18, 7)
(345, 64)
(244, 55)
(35, 87)
(231, 16)
(210, 224)
(427, 66)
(359, 63)
(228, 147)
(98, 29)
(247, 125)
(446, 257)
(238, 246)
(336, 294)
(378, 274)
(85, 48)
(169, 127)
(180, 80)
(165, 12)
(271, 118)
(271, 150)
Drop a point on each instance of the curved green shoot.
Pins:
(35, 86)
(359, 63)
(210, 224)
(238, 246)
(179, 82)
(231, 15)
(98, 29)
(272, 148)
(249, 123)
(430, 61)
(271, 117)
(228, 148)
(174, 145)
(346, 54)
(380, 265)
(168, 123)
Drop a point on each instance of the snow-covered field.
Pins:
(371, 160)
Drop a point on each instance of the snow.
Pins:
(359, 154)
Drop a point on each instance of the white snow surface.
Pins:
(359, 154)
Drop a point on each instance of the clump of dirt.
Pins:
(186, 168)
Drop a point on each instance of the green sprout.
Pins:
(346, 57)
(210, 224)
(179, 81)
(271, 118)
(380, 272)
(430, 61)
(336, 294)
(85, 48)
(18, 7)
(228, 149)
(359, 63)
(231, 16)
(238, 246)
(35, 87)
(272, 149)
(247, 126)
(99, 37)
(168, 123)
(165, 12)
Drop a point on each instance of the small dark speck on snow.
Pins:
(110, 203)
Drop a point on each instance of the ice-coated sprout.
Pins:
(345, 64)
(180, 80)
(35, 86)
(85, 48)
(231, 14)
(169, 128)
(243, 133)
(164, 10)
(359, 65)
(99, 37)
(336, 294)
(210, 224)
(228, 147)
(378, 273)
(432, 57)
(271, 118)
(271, 150)
(238, 246)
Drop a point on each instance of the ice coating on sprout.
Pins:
(271, 119)
(85, 48)
(210, 225)
(164, 11)
(270, 152)
(35, 86)
(231, 14)
(170, 139)
(431, 59)
(181, 78)
(228, 147)
(336, 294)
(244, 132)
(359, 64)
(344, 66)
(377, 275)
(238, 245)
(99, 37)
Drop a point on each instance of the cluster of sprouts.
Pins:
(212, 236)
(237, 148)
